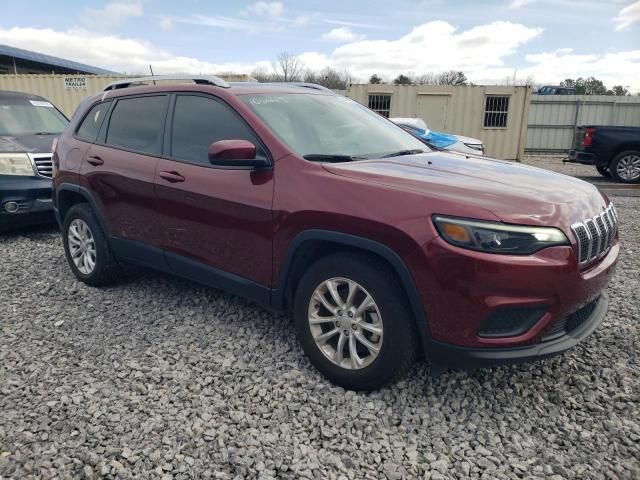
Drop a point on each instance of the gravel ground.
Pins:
(163, 378)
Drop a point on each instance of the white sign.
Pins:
(40, 103)
(75, 83)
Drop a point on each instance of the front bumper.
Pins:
(444, 355)
(33, 198)
(462, 291)
(585, 158)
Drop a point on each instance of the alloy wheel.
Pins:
(628, 167)
(345, 323)
(82, 246)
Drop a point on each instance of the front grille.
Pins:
(44, 165)
(569, 323)
(596, 235)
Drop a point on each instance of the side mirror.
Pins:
(235, 153)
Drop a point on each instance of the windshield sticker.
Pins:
(40, 103)
(261, 100)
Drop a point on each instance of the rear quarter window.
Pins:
(90, 126)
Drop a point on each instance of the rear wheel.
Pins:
(625, 167)
(354, 323)
(86, 248)
(603, 170)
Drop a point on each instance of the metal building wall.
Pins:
(52, 87)
(553, 118)
(458, 110)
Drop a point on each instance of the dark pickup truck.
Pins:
(615, 151)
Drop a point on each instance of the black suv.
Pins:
(28, 126)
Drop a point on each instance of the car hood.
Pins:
(469, 140)
(26, 143)
(512, 192)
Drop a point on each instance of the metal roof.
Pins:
(21, 54)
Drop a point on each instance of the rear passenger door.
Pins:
(215, 221)
(119, 170)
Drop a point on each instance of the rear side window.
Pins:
(138, 123)
(90, 126)
(198, 122)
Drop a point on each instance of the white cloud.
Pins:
(434, 47)
(112, 52)
(270, 9)
(112, 14)
(627, 16)
(520, 3)
(621, 68)
(165, 23)
(484, 53)
(342, 35)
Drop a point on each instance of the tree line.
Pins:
(289, 68)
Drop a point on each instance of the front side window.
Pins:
(138, 123)
(90, 126)
(200, 121)
(319, 124)
(21, 116)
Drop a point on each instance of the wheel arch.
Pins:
(627, 146)
(311, 245)
(67, 195)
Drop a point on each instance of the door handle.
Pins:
(173, 177)
(95, 161)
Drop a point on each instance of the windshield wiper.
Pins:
(321, 157)
(47, 133)
(404, 152)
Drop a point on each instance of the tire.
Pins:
(625, 167)
(398, 342)
(105, 269)
(603, 170)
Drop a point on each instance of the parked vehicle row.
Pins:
(28, 125)
(614, 151)
(382, 248)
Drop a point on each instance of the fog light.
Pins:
(11, 207)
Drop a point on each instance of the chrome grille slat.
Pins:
(596, 235)
(44, 165)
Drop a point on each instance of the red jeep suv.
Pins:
(304, 200)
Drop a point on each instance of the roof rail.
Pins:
(204, 80)
(285, 84)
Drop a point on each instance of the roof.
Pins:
(19, 53)
(19, 95)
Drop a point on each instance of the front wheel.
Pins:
(354, 323)
(625, 167)
(603, 170)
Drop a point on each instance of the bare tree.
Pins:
(262, 74)
(452, 77)
(288, 67)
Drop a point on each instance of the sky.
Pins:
(491, 41)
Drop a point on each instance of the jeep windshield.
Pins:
(22, 117)
(331, 128)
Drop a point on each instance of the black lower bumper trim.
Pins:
(586, 158)
(442, 355)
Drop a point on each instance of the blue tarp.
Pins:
(437, 139)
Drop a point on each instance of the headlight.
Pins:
(15, 164)
(497, 237)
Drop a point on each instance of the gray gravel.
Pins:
(163, 378)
